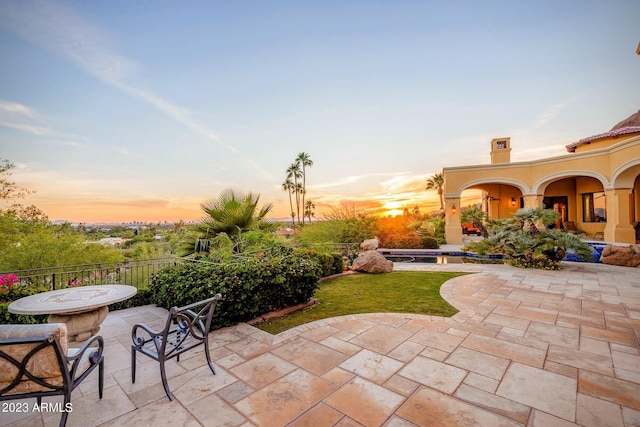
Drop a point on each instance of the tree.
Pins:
(528, 244)
(476, 216)
(294, 172)
(9, 192)
(289, 186)
(230, 214)
(305, 161)
(436, 183)
(309, 209)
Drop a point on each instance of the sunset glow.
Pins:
(141, 111)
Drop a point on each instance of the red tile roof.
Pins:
(629, 125)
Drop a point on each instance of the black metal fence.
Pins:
(133, 273)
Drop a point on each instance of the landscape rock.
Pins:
(372, 262)
(628, 256)
(370, 244)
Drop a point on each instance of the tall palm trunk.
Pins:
(304, 188)
(293, 222)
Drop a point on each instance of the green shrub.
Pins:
(428, 242)
(250, 288)
(8, 318)
(142, 297)
(329, 263)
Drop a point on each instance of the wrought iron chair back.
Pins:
(35, 362)
(186, 327)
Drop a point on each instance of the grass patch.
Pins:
(397, 292)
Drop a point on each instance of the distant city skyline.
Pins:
(120, 111)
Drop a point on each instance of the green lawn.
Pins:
(396, 292)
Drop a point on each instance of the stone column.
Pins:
(619, 228)
(533, 201)
(453, 227)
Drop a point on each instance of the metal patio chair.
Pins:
(183, 330)
(35, 362)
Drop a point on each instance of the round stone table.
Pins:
(83, 308)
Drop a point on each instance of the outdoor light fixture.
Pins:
(513, 202)
(453, 209)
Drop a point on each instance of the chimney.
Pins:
(501, 150)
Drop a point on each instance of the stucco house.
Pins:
(596, 186)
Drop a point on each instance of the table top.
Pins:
(72, 300)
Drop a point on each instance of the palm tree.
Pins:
(309, 209)
(531, 217)
(304, 160)
(436, 183)
(288, 186)
(230, 214)
(476, 216)
(294, 172)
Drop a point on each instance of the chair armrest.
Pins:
(139, 341)
(96, 357)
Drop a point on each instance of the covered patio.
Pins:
(528, 348)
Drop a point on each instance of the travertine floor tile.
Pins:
(284, 400)
(433, 374)
(593, 412)
(372, 366)
(549, 392)
(481, 363)
(429, 407)
(381, 339)
(262, 370)
(365, 402)
(310, 355)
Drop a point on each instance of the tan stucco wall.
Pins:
(612, 166)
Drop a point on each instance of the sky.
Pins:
(126, 111)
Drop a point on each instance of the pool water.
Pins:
(469, 258)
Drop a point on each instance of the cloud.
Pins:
(35, 130)
(7, 107)
(550, 113)
(352, 179)
(60, 29)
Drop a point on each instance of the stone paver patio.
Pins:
(528, 348)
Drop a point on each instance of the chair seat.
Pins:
(186, 328)
(35, 362)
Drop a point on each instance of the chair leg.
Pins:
(163, 374)
(65, 414)
(133, 365)
(206, 352)
(100, 378)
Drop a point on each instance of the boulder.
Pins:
(628, 256)
(370, 244)
(372, 262)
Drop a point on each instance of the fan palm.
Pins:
(232, 214)
(530, 218)
(436, 183)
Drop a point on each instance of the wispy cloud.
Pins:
(550, 113)
(7, 107)
(26, 119)
(60, 29)
(352, 179)
(35, 130)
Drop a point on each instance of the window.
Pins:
(594, 207)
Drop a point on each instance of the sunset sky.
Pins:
(119, 111)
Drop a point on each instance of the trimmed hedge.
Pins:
(250, 288)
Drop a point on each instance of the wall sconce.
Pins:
(513, 202)
(453, 209)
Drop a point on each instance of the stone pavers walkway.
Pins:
(528, 348)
